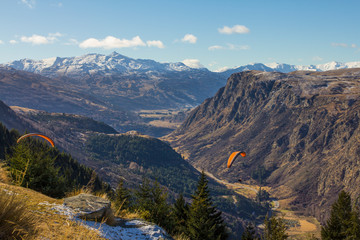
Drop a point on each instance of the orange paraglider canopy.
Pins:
(39, 135)
(233, 156)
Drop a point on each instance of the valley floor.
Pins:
(300, 227)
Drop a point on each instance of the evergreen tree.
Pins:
(143, 197)
(180, 215)
(32, 166)
(152, 201)
(122, 197)
(339, 223)
(275, 229)
(344, 222)
(353, 231)
(249, 233)
(204, 221)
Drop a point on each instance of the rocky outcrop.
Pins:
(300, 131)
(90, 207)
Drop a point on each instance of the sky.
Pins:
(200, 33)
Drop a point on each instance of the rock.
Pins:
(90, 207)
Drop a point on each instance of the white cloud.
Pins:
(339, 44)
(229, 46)
(215, 47)
(13, 42)
(72, 41)
(189, 38)
(237, 47)
(1, 42)
(345, 45)
(222, 69)
(29, 3)
(38, 39)
(112, 42)
(193, 63)
(35, 39)
(155, 43)
(317, 58)
(240, 29)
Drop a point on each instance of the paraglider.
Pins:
(233, 156)
(39, 135)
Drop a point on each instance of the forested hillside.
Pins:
(37, 165)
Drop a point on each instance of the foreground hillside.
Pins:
(300, 132)
(131, 157)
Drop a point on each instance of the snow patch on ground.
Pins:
(132, 229)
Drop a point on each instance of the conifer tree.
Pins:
(152, 201)
(143, 196)
(275, 229)
(204, 222)
(180, 215)
(122, 196)
(343, 223)
(32, 166)
(354, 229)
(249, 233)
(160, 211)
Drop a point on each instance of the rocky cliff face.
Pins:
(300, 130)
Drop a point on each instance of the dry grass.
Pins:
(61, 228)
(4, 174)
(181, 237)
(49, 224)
(16, 221)
(77, 191)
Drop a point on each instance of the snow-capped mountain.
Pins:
(117, 63)
(94, 63)
(126, 82)
(286, 68)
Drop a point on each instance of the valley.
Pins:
(300, 130)
(299, 226)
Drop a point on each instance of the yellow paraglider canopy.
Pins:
(39, 135)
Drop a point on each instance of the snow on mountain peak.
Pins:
(115, 62)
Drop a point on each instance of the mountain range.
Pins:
(128, 83)
(300, 130)
(298, 125)
(286, 68)
(114, 88)
(116, 63)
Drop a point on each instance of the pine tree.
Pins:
(204, 221)
(160, 211)
(353, 231)
(180, 215)
(122, 196)
(275, 229)
(32, 166)
(249, 233)
(340, 221)
(143, 197)
(152, 201)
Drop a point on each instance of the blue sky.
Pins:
(209, 33)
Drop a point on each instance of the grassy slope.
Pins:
(50, 225)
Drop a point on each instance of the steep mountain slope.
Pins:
(300, 131)
(11, 120)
